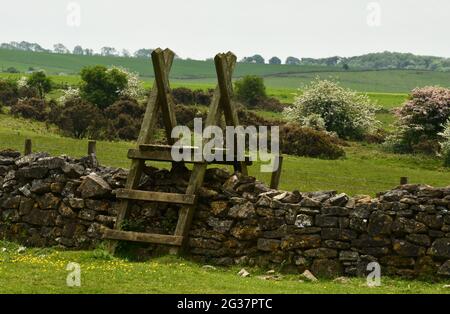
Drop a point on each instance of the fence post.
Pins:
(276, 175)
(403, 180)
(92, 148)
(28, 147)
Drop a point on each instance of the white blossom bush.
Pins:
(22, 82)
(134, 87)
(69, 95)
(341, 110)
(445, 143)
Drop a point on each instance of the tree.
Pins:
(250, 89)
(275, 60)
(40, 82)
(78, 50)
(12, 70)
(102, 86)
(292, 61)
(109, 51)
(126, 53)
(254, 59)
(60, 48)
(143, 53)
(345, 66)
(88, 52)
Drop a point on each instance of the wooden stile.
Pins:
(161, 100)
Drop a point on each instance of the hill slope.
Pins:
(203, 72)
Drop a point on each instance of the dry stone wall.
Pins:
(62, 201)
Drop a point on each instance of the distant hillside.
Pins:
(385, 61)
(203, 72)
(54, 63)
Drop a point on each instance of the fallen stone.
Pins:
(307, 275)
(93, 186)
(243, 273)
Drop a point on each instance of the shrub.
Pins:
(9, 92)
(302, 141)
(345, 112)
(270, 104)
(203, 98)
(421, 120)
(101, 86)
(40, 82)
(250, 89)
(133, 88)
(31, 108)
(183, 96)
(186, 114)
(124, 119)
(78, 118)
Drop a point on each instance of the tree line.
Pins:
(371, 61)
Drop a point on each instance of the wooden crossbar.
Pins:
(142, 237)
(156, 196)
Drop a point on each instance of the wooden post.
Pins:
(276, 175)
(28, 147)
(403, 180)
(92, 148)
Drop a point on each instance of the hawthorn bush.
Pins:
(421, 121)
(302, 141)
(344, 112)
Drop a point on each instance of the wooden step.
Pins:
(164, 153)
(142, 237)
(161, 197)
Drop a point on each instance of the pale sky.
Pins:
(201, 28)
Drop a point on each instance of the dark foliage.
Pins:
(124, 119)
(301, 141)
(78, 118)
(100, 86)
(9, 93)
(30, 108)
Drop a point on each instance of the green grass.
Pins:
(44, 271)
(366, 169)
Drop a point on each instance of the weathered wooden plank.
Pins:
(165, 98)
(225, 64)
(162, 197)
(145, 135)
(186, 213)
(167, 156)
(142, 237)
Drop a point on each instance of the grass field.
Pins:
(44, 271)
(202, 73)
(366, 169)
